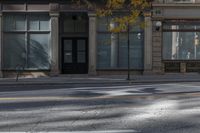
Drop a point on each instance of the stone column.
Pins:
(1, 47)
(54, 43)
(148, 45)
(92, 44)
(114, 47)
(175, 44)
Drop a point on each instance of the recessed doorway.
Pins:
(75, 55)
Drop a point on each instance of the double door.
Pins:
(74, 55)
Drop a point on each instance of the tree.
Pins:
(132, 10)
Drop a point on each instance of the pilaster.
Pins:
(148, 45)
(54, 43)
(183, 67)
(92, 44)
(1, 46)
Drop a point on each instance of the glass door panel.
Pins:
(81, 51)
(68, 51)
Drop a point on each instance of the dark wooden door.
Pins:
(74, 56)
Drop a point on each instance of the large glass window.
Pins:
(112, 48)
(14, 23)
(181, 41)
(26, 41)
(38, 48)
(14, 50)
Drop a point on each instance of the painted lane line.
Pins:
(106, 131)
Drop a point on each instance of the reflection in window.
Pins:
(181, 45)
(14, 22)
(104, 51)
(38, 23)
(181, 41)
(38, 51)
(112, 48)
(14, 50)
(112, 53)
(67, 51)
(81, 51)
(22, 45)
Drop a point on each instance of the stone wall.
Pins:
(157, 50)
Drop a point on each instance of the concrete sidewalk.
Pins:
(106, 79)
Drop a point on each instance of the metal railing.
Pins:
(19, 69)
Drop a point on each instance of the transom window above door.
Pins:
(75, 23)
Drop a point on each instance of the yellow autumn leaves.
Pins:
(131, 10)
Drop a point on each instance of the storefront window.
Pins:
(26, 41)
(14, 50)
(112, 48)
(181, 42)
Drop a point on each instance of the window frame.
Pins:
(27, 33)
(179, 22)
(131, 32)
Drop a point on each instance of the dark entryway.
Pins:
(74, 55)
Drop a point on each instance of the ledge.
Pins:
(177, 5)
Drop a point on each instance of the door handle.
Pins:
(68, 54)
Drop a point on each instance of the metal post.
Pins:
(128, 78)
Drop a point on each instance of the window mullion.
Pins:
(26, 38)
(39, 22)
(15, 25)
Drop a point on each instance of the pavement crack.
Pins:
(34, 127)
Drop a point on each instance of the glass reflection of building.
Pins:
(180, 41)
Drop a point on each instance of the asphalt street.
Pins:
(98, 108)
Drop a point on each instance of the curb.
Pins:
(103, 82)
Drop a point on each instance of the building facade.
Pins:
(52, 37)
(175, 36)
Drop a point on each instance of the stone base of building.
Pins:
(148, 72)
(118, 72)
(1, 74)
(37, 74)
(26, 74)
(54, 73)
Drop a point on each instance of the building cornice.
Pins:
(177, 5)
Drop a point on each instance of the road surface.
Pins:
(97, 108)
